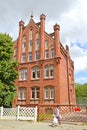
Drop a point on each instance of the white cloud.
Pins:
(79, 55)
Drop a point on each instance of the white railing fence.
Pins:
(19, 113)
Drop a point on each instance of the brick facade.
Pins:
(46, 70)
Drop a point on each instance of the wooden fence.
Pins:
(19, 113)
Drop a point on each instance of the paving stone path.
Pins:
(26, 125)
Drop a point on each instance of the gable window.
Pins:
(35, 93)
(37, 57)
(30, 45)
(22, 94)
(37, 43)
(52, 53)
(23, 58)
(49, 71)
(24, 45)
(30, 56)
(15, 54)
(46, 44)
(23, 74)
(35, 73)
(46, 54)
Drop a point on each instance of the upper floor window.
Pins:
(15, 51)
(37, 55)
(24, 45)
(35, 93)
(23, 59)
(30, 56)
(23, 74)
(46, 44)
(22, 94)
(30, 45)
(37, 44)
(31, 34)
(49, 92)
(52, 53)
(49, 71)
(35, 73)
(46, 54)
(15, 54)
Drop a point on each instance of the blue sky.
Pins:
(69, 14)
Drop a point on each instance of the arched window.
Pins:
(35, 73)
(46, 44)
(30, 40)
(23, 74)
(46, 49)
(52, 52)
(22, 93)
(37, 43)
(48, 92)
(35, 93)
(49, 71)
(24, 45)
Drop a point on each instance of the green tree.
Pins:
(81, 93)
(8, 72)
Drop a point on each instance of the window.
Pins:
(35, 73)
(30, 45)
(22, 94)
(46, 71)
(15, 51)
(35, 93)
(30, 56)
(49, 92)
(46, 44)
(49, 71)
(37, 44)
(37, 55)
(15, 54)
(23, 57)
(47, 54)
(52, 53)
(23, 74)
(24, 45)
(31, 34)
(46, 93)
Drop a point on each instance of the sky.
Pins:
(69, 14)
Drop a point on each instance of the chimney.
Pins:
(21, 26)
(57, 39)
(42, 30)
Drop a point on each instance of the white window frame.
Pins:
(52, 53)
(23, 74)
(36, 70)
(37, 56)
(46, 54)
(22, 94)
(23, 57)
(35, 91)
(30, 56)
(51, 70)
(46, 93)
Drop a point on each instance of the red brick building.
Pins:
(46, 70)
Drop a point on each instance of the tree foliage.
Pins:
(8, 73)
(81, 90)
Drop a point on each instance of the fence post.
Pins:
(35, 114)
(38, 112)
(18, 112)
(1, 116)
